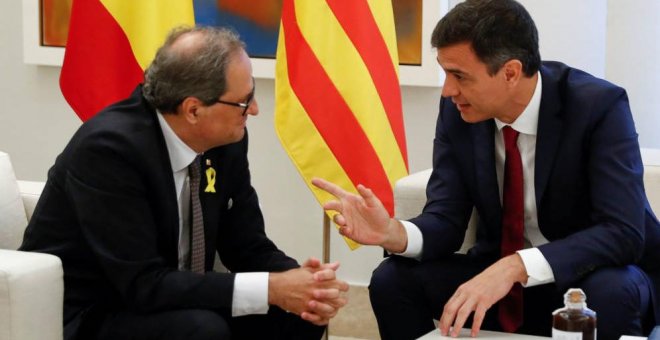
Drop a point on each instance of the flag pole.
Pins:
(326, 238)
(326, 255)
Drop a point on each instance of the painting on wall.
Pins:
(257, 21)
(45, 29)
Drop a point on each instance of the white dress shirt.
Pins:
(250, 294)
(538, 268)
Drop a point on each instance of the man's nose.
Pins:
(253, 109)
(449, 88)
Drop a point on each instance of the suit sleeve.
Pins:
(242, 242)
(614, 233)
(443, 221)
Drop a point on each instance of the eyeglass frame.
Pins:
(245, 105)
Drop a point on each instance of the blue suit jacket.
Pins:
(588, 178)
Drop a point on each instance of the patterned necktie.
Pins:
(511, 306)
(197, 233)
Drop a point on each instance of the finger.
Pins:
(337, 303)
(324, 294)
(312, 262)
(339, 220)
(313, 318)
(332, 205)
(460, 319)
(324, 275)
(478, 319)
(332, 265)
(368, 196)
(342, 286)
(322, 309)
(467, 306)
(331, 188)
(445, 322)
(448, 314)
(346, 231)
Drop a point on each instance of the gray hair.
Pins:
(198, 72)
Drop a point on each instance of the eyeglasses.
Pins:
(245, 105)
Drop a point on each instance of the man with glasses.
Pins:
(148, 191)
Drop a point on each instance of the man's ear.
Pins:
(513, 71)
(189, 109)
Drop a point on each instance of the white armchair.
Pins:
(410, 197)
(31, 284)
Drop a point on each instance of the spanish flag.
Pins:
(337, 97)
(110, 43)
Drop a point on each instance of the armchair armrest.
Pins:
(652, 186)
(31, 296)
(410, 194)
(410, 198)
(30, 192)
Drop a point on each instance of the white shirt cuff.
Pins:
(538, 269)
(415, 241)
(250, 294)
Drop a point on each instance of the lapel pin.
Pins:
(210, 179)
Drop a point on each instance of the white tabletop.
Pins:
(486, 335)
(490, 335)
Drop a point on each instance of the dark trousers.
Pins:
(407, 294)
(200, 324)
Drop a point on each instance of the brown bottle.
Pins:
(575, 320)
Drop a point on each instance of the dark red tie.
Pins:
(511, 306)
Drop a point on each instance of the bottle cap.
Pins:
(575, 298)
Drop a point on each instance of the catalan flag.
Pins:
(337, 97)
(110, 43)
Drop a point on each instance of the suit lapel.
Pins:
(170, 202)
(483, 135)
(548, 133)
(159, 161)
(212, 202)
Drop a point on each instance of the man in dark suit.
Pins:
(119, 208)
(580, 210)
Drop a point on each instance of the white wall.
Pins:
(36, 123)
(633, 61)
(576, 36)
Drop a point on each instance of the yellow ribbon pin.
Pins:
(210, 179)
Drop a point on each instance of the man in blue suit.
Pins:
(584, 216)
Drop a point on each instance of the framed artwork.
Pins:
(45, 28)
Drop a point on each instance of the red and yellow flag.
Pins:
(109, 45)
(337, 97)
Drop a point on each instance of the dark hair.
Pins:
(177, 73)
(498, 31)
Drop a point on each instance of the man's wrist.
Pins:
(519, 270)
(273, 284)
(397, 239)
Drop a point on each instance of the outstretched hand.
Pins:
(363, 218)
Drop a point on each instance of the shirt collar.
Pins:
(181, 155)
(528, 120)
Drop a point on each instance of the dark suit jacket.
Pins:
(109, 211)
(590, 196)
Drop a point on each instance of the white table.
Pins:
(490, 335)
(486, 335)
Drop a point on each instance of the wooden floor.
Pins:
(356, 320)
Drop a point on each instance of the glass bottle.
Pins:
(575, 320)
